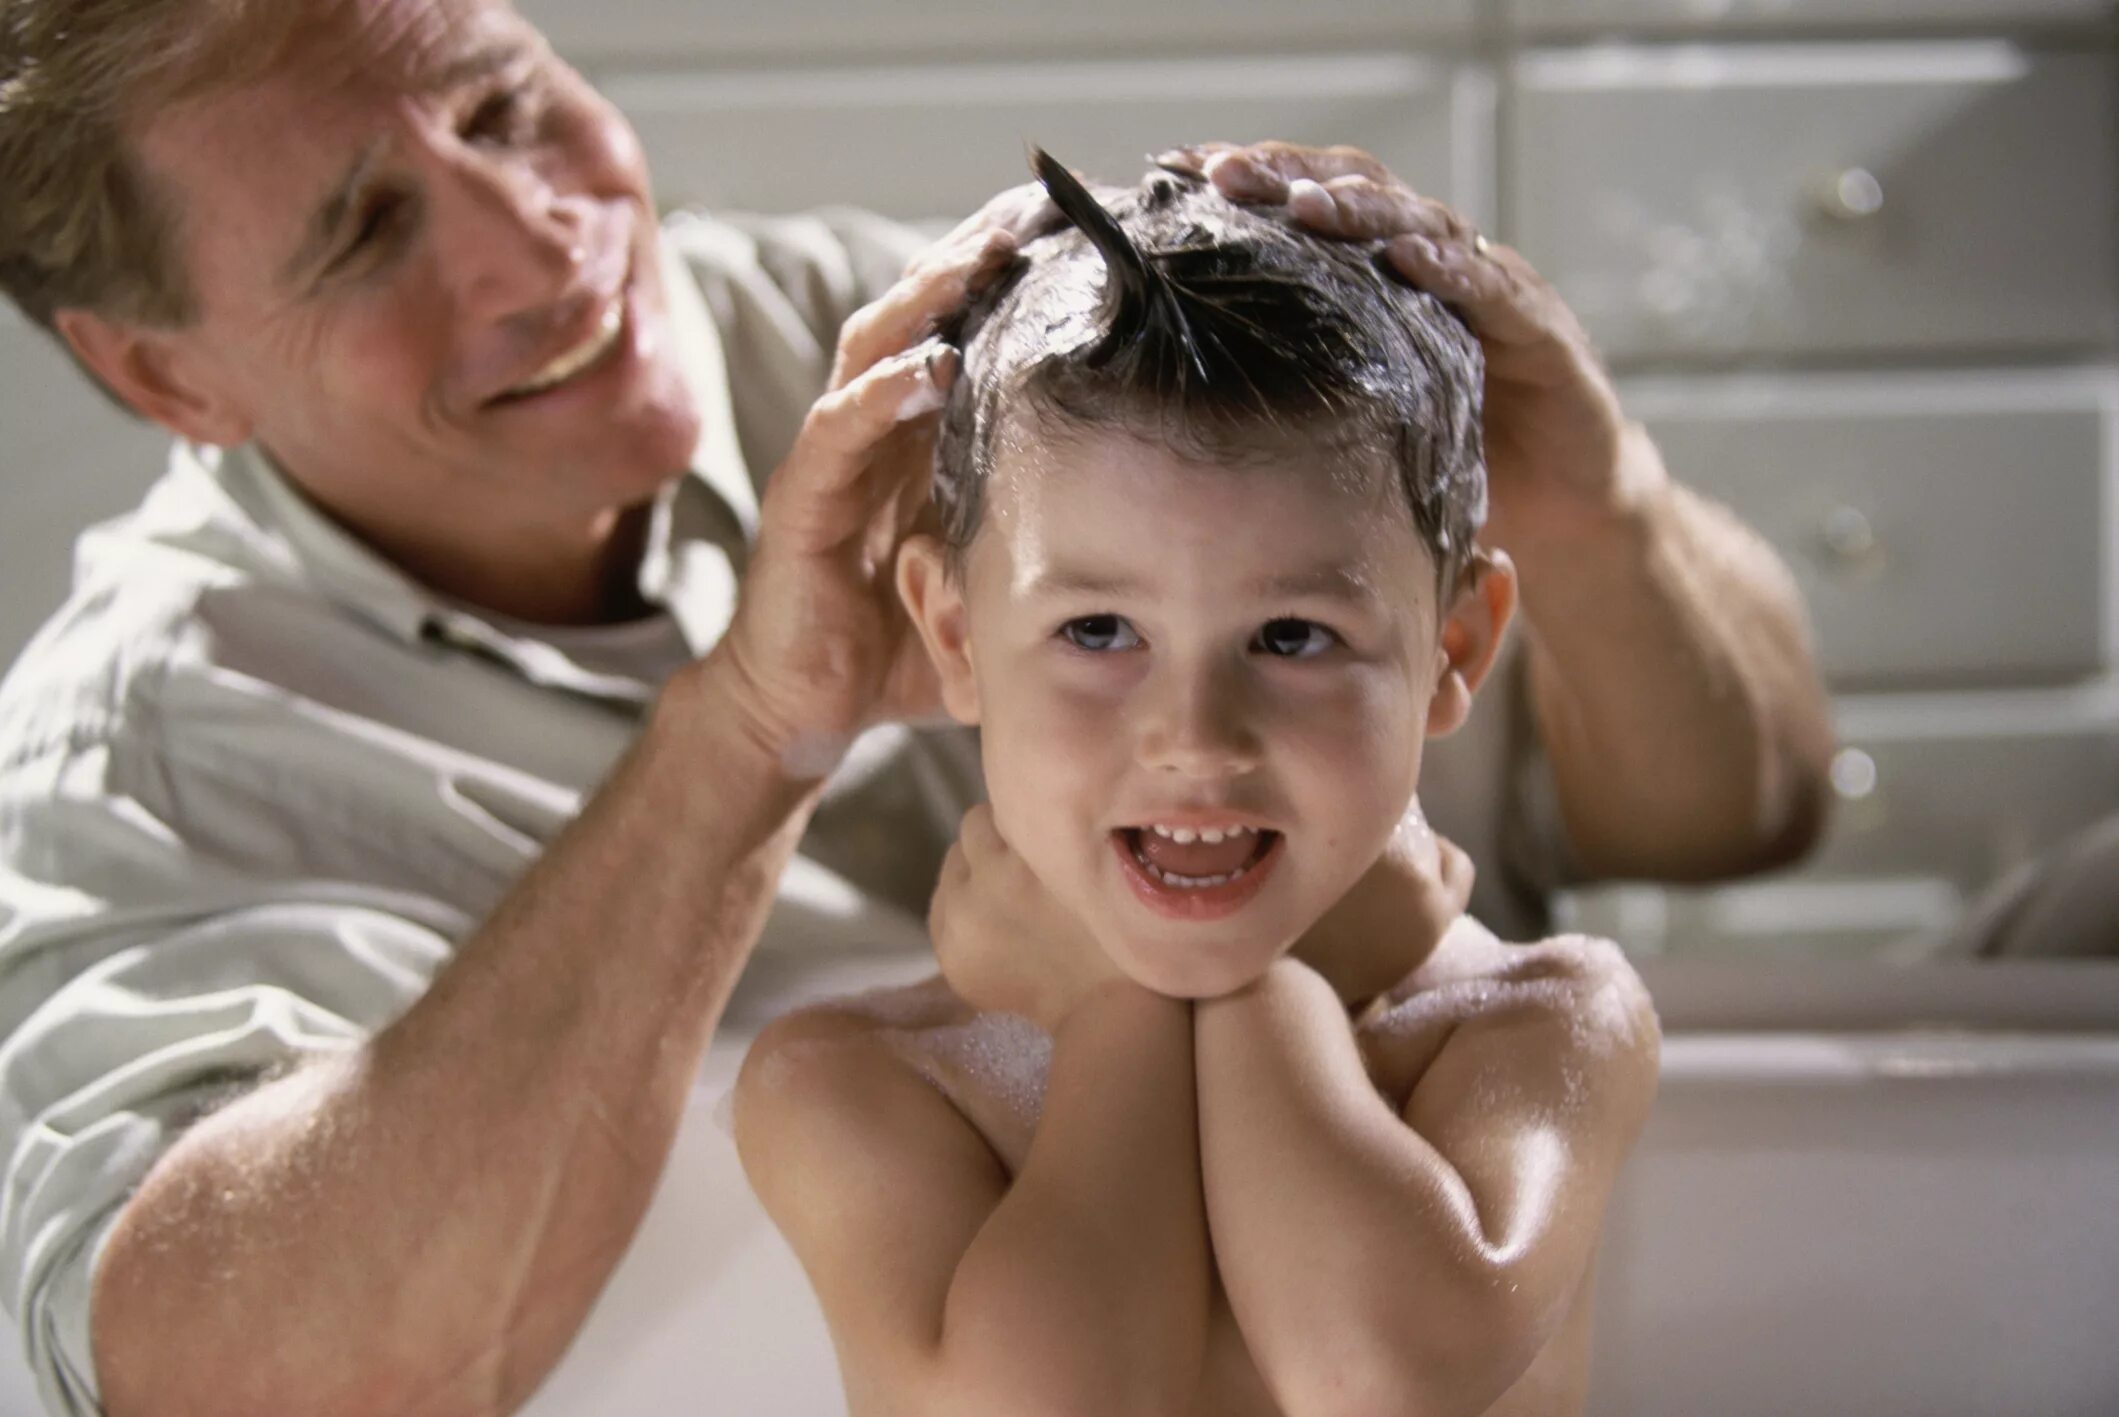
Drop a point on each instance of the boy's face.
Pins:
(1148, 642)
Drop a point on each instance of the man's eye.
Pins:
(1098, 633)
(1295, 639)
(378, 223)
(502, 118)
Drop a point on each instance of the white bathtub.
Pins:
(1862, 1191)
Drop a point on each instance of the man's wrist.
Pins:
(1610, 536)
(702, 728)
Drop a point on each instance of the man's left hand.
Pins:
(1554, 432)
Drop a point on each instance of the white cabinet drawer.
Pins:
(1944, 530)
(1727, 202)
(1940, 796)
(714, 32)
(71, 459)
(1543, 17)
(1965, 787)
(919, 143)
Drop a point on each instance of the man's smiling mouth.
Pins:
(572, 363)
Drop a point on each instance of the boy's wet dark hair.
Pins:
(1220, 331)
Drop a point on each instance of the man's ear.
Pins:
(934, 600)
(1471, 636)
(156, 372)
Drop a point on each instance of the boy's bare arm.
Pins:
(1080, 1288)
(1380, 1261)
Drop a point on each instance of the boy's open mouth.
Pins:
(1190, 859)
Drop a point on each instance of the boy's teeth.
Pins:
(1184, 836)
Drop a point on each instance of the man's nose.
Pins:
(506, 240)
(1198, 723)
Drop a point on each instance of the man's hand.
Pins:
(820, 645)
(1003, 941)
(1554, 428)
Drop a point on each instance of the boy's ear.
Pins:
(935, 602)
(156, 372)
(1471, 637)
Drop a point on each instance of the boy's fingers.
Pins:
(936, 284)
(978, 835)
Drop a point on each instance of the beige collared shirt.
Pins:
(256, 784)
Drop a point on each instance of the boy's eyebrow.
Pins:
(1333, 582)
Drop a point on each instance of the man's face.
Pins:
(1160, 644)
(424, 252)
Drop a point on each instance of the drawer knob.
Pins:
(1850, 195)
(1854, 775)
(1849, 539)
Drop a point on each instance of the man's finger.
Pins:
(1025, 213)
(1362, 209)
(937, 284)
(1263, 172)
(1499, 295)
(817, 494)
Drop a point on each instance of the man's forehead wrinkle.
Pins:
(409, 46)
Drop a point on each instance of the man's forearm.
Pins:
(421, 1225)
(1673, 681)
(1087, 1290)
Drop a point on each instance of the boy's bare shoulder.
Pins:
(888, 1065)
(1583, 983)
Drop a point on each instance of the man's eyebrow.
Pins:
(481, 63)
(331, 213)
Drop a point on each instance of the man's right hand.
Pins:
(820, 648)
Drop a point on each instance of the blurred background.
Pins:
(1856, 262)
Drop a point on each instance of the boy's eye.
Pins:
(1098, 633)
(1295, 639)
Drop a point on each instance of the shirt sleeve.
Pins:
(142, 985)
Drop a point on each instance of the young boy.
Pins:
(1219, 1104)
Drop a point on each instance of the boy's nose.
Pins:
(1200, 727)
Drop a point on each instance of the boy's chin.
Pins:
(1195, 978)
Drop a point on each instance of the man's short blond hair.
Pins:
(81, 225)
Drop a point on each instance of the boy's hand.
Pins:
(1003, 942)
(1554, 428)
(1390, 921)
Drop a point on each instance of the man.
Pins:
(386, 819)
